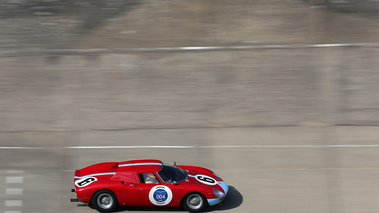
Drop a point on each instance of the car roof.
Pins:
(140, 166)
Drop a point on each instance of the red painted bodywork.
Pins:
(122, 178)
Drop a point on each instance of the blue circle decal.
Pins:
(160, 195)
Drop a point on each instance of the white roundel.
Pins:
(206, 179)
(160, 195)
(85, 181)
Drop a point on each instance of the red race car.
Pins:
(105, 186)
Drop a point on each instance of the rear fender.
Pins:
(85, 194)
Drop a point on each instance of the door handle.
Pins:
(140, 189)
(132, 184)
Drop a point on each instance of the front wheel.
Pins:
(194, 202)
(104, 201)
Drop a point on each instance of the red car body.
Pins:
(125, 180)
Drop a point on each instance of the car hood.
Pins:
(204, 177)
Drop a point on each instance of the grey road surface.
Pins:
(291, 169)
(277, 97)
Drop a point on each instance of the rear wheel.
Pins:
(194, 202)
(104, 201)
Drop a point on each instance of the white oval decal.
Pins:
(85, 181)
(160, 195)
(206, 179)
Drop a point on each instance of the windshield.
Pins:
(172, 174)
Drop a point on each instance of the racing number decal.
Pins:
(160, 195)
(206, 179)
(85, 181)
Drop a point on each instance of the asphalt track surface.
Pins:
(303, 174)
(282, 105)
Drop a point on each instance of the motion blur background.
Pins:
(279, 97)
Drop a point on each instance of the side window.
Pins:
(148, 178)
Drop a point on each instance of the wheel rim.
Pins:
(194, 201)
(105, 201)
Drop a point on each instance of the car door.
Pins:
(130, 189)
(154, 193)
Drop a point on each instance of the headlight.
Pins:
(218, 193)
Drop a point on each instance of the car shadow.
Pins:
(232, 200)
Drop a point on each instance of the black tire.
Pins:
(194, 202)
(104, 201)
